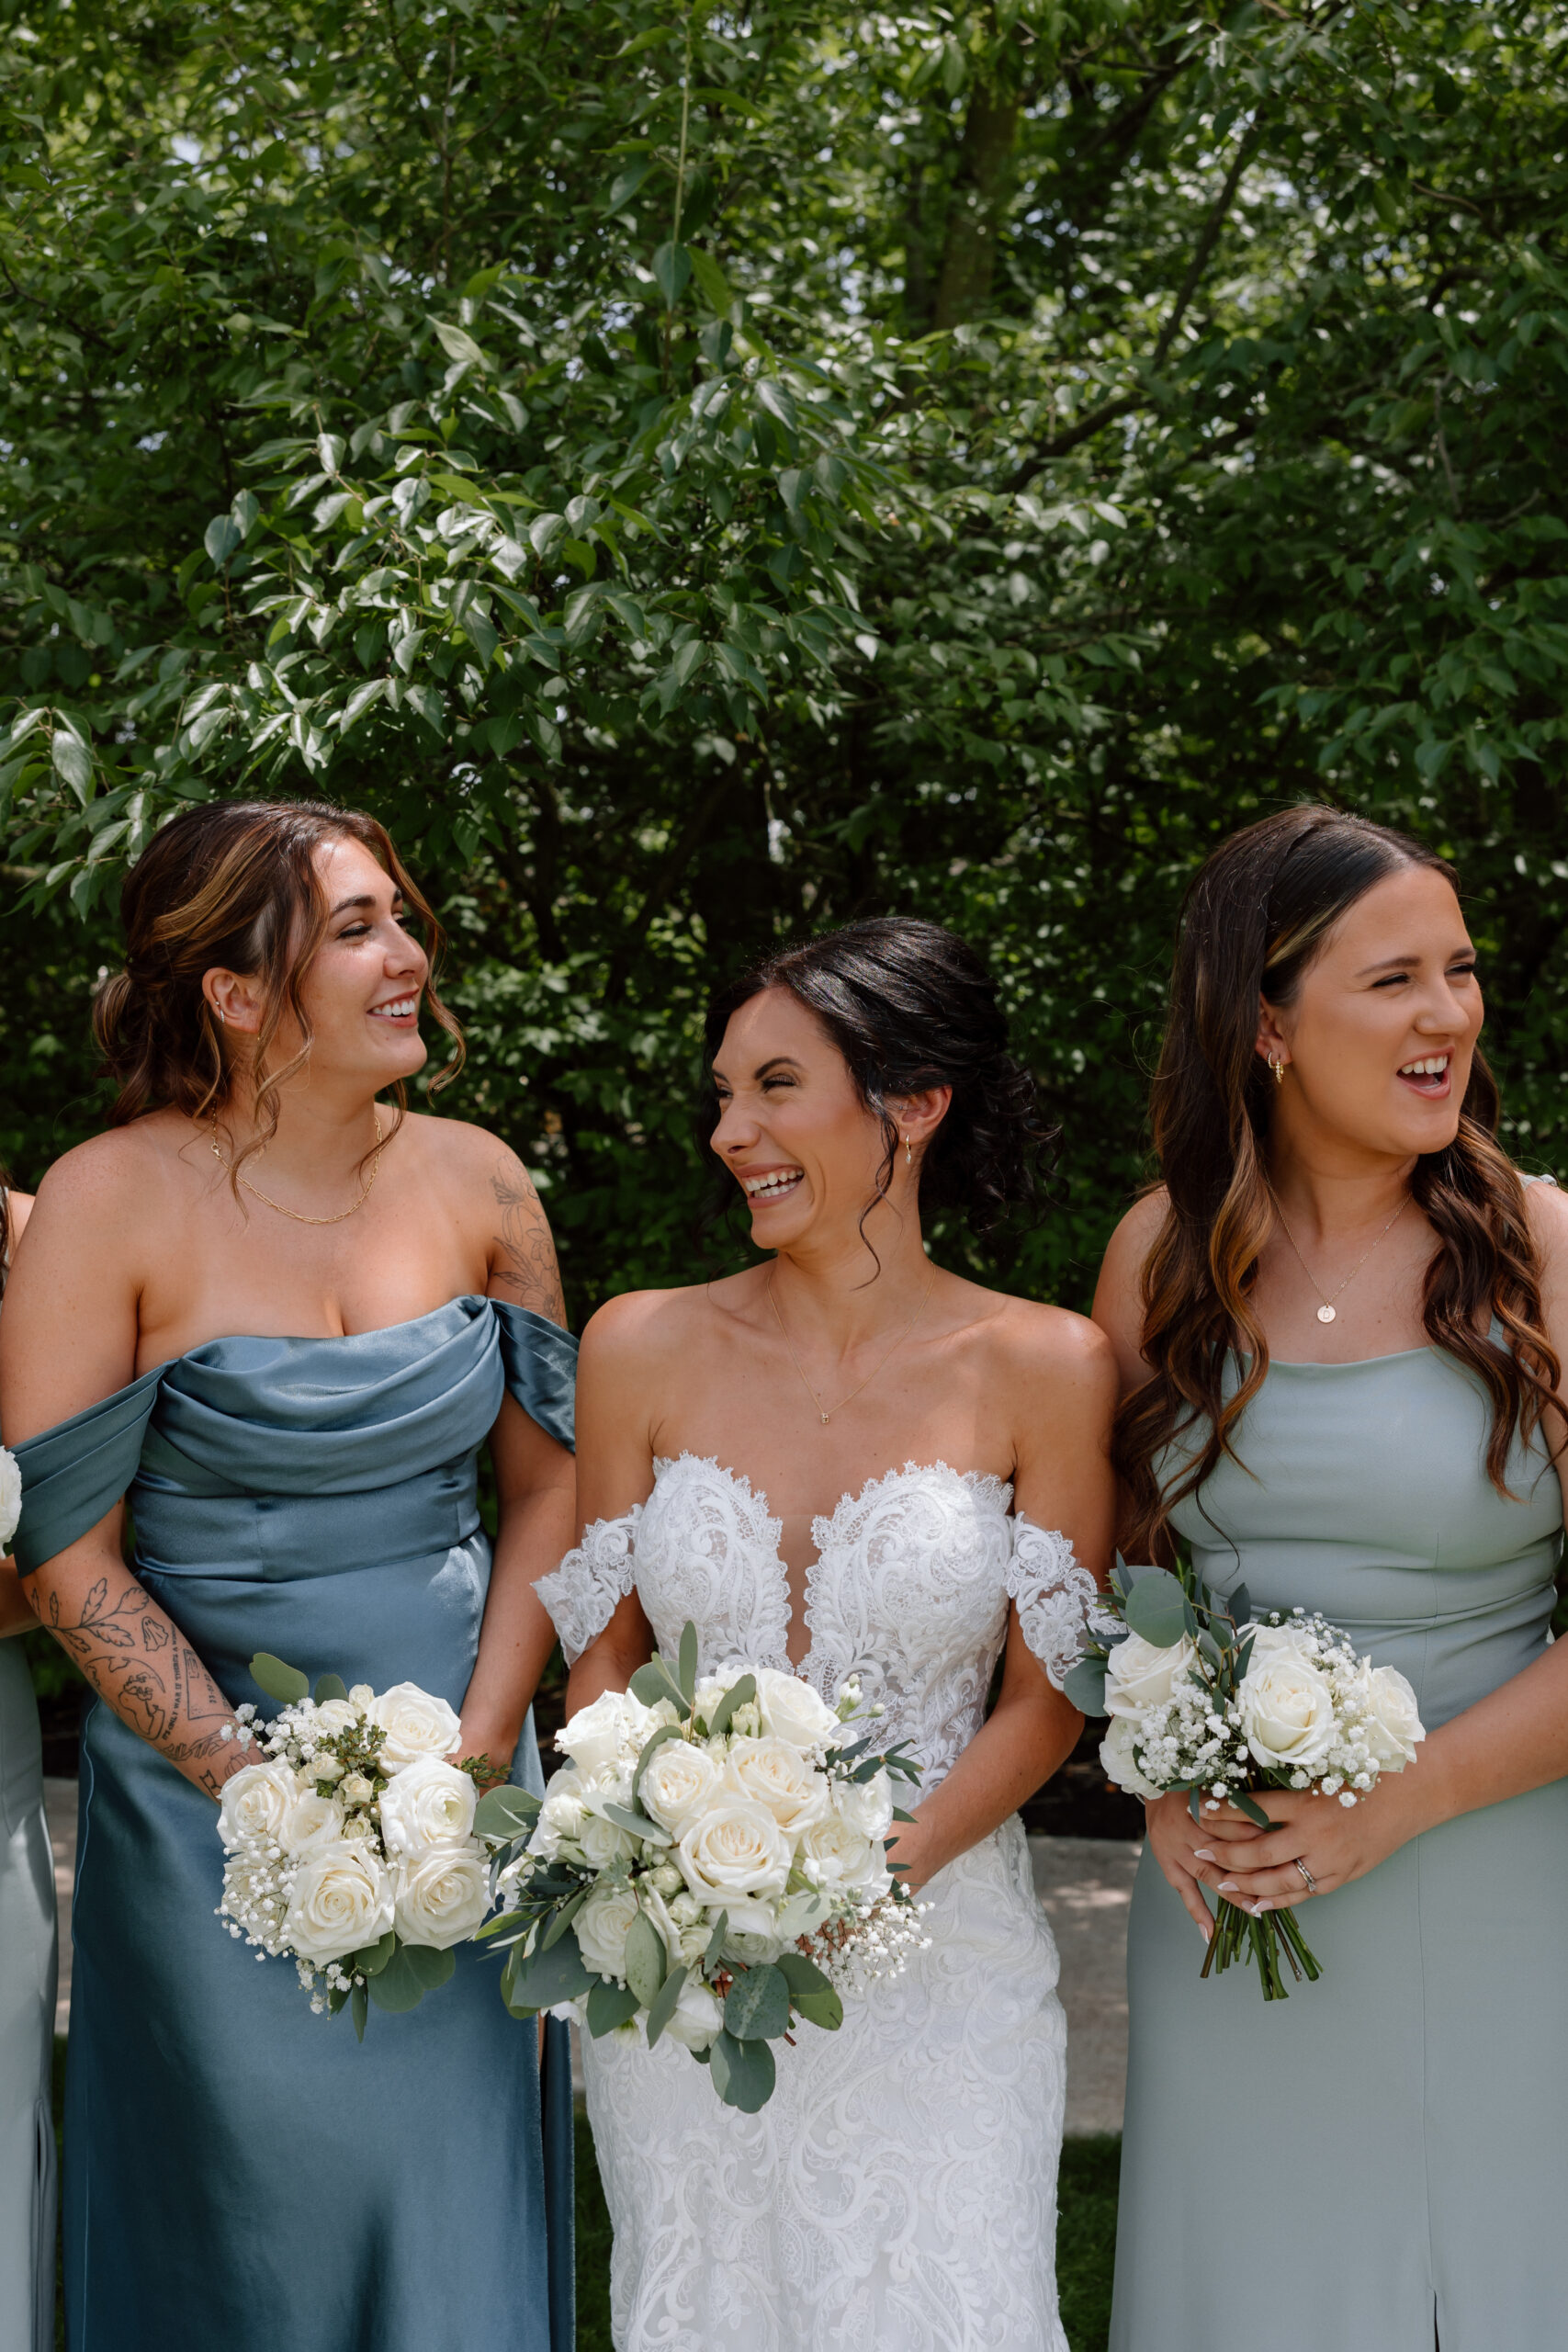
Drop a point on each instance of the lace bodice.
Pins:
(908, 1591)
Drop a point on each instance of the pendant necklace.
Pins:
(365, 1182)
(1325, 1313)
(824, 1415)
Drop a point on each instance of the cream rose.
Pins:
(776, 1773)
(834, 1854)
(1120, 1763)
(334, 1716)
(737, 1848)
(1393, 1717)
(10, 1498)
(698, 2017)
(1287, 1712)
(603, 1925)
(598, 1738)
(677, 1778)
(412, 1725)
(791, 1710)
(865, 1806)
(342, 1901)
(1140, 1676)
(311, 1820)
(440, 1895)
(560, 1815)
(257, 1801)
(601, 1841)
(427, 1804)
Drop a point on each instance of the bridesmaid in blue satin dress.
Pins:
(267, 1323)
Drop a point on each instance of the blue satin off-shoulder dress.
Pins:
(242, 2175)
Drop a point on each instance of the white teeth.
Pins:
(1433, 1067)
(394, 1012)
(779, 1183)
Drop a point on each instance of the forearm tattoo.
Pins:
(525, 1255)
(141, 1664)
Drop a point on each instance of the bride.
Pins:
(847, 1461)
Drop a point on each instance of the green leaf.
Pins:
(72, 761)
(1156, 1608)
(638, 1824)
(740, 1694)
(743, 2073)
(801, 1975)
(686, 1670)
(625, 185)
(360, 2010)
(506, 1813)
(673, 269)
(665, 1731)
(645, 1961)
(562, 1917)
(757, 2005)
(283, 1683)
(1254, 1813)
(541, 1980)
(246, 513)
(222, 537)
(653, 1682)
(662, 2008)
(432, 1967)
(482, 635)
(374, 1958)
(610, 2006)
(398, 1985)
(824, 2009)
(717, 291)
(1084, 1684)
(330, 1686)
(457, 344)
(715, 1941)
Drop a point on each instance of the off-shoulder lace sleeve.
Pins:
(582, 1593)
(1054, 1595)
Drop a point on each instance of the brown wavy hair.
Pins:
(1258, 913)
(232, 885)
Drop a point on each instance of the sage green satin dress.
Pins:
(1381, 2161)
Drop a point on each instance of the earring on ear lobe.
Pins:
(1276, 1064)
(909, 1153)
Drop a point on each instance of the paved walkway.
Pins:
(1085, 1884)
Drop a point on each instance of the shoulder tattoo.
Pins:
(524, 1256)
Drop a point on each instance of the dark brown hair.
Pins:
(231, 885)
(1258, 913)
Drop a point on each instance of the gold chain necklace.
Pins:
(827, 1416)
(1325, 1312)
(365, 1183)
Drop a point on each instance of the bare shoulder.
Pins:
(18, 1208)
(643, 1331)
(1546, 1205)
(120, 1173)
(499, 1203)
(1135, 1237)
(1053, 1351)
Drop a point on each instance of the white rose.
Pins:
(357, 1790)
(413, 1724)
(678, 1779)
(833, 1853)
(1273, 1641)
(791, 1710)
(711, 1688)
(361, 1695)
(311, 1820)
(560, 1817)
(1140, 1676)
(324, 1768)
(1120, 1763)
(776, 1773)
(342, 1901)
(603, 1925)
(427, 1804)
(10, 1498)
(865, 1806)
(257, 1801)
(603, 1736)
(441, 1895)
(334, 1716)
(1287, 1710)
(698, 2017)
(736, 1847)
(1393, 1718)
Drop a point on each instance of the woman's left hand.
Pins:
(494, 1741)
(1337, 1843)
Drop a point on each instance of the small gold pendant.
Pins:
(826, 1419)
(1326, 1315)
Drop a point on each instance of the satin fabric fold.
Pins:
(240, 2172)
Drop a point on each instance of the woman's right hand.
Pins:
(1190, 1856)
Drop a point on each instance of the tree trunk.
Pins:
(978, 203)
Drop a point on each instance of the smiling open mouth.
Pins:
(777, 1186)
(1429, 1076)
(398, 1008)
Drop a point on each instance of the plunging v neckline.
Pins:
(824, 1525)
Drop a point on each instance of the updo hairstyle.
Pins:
(231, 885)
(911, 1005)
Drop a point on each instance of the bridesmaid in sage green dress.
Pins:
(1339, 1323)
(286, 1366)
(29, 1938)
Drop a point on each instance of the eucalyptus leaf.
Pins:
(756, 2008)
(432, 1968)
(686, 1672)
(506, 1813)
(329, 1686)
(663, 2005)
(374, 1958)
(1156, 1608)
(743, 2073)
(741, 1694)
(1084, 1684)
(398, 1985)
(542, 1979)
(645, 1961)
(610, 2006)
(561, 1918)
(639, 1825)
(801, 1973)
(283, 1683)
(824, 2009)
(359, 2008)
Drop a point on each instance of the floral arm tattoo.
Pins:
(141, 1664)
(524, 1255)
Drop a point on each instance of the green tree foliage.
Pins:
(701, 474)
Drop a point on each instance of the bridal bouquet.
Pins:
(709, 1866)
(1203, 1699)
(10, 1499)
(351, 1847)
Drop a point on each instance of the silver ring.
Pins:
(1311, 1882)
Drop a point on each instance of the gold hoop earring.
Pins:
(1278, 1067)
(909, 1153)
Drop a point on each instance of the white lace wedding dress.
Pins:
(898, 2192)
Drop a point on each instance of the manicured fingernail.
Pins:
(1257, 1910)
(1227, 1886)
(1202, 1854)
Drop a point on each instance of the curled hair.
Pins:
(911, 1005)
(1258, 913)
(231, 885)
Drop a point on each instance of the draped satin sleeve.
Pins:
(540, 1363)
(75, 1473)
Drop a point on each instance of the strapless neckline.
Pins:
(472, 1298)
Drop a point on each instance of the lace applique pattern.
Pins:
(1054, 1595)
(583, 1593)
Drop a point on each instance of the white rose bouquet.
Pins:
(1202, 1699)
(10, 1498)
(710, 1865)
(352, 1847)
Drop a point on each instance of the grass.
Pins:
(1086, 2237)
